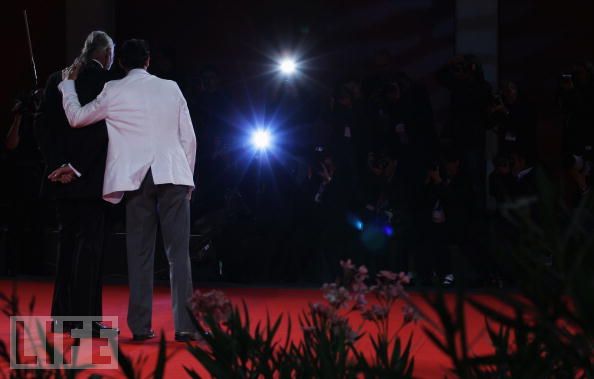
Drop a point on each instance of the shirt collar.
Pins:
(99, 63)
(137, 71)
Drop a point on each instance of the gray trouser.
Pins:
(167, 204)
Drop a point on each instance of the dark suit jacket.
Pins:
(84, 148)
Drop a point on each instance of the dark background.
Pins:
(537, 40)
(333, 39)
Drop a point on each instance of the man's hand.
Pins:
(67, 178)
(63, 175)
(71, 72)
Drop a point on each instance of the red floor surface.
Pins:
(429, 362)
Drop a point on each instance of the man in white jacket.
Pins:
(150, 160)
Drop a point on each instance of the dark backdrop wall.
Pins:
(48, 30)
(335, 37)
(344, 32)
(537, 39)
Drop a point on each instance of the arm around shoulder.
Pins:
(92, 112)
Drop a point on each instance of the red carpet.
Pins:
(429, 362)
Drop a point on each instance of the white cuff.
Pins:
(75, 170)
(66, 86)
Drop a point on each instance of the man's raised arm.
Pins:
(78, 116)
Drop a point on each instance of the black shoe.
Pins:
(144, 337)
(98, 327)
(187, 337)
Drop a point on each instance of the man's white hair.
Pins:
(96, 41)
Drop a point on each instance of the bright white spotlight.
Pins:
(261, 139)
(288, 66)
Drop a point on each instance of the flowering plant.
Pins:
(349, 294)
(388, 289)
(213, 303)
(328, 344)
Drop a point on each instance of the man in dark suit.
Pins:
(77, 158)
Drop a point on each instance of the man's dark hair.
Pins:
(134, 53)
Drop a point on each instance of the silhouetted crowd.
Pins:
(364, 174)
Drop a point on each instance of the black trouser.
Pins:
(25, 221)
(77, 290)
(150, 205)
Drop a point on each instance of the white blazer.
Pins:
(149, 126)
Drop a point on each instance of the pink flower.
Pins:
(336, 296)
(380, 312)
(360, 302)
(387, 276)
(361, 274)
(340, 325)
(403, 278)
(359, 279)
(359, 287)
(213, 303)
(353, 278)
(375, 313)
(347, 265)
(394, 291)
(362, 271)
